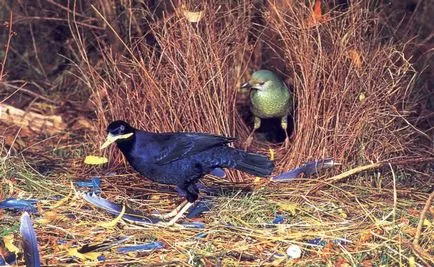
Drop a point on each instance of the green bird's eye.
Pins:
(261, 83)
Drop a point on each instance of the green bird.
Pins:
(269, 98)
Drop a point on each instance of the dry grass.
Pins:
(163, 73)
(357, 223)
(353, 87)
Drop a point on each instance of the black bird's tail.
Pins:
(255, 164)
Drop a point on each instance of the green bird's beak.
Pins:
(112, 138)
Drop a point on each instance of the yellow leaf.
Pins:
(61, 202)
(192, 16)
(342, 213)
(426, 223)
(365, 236)
(271, 151)
(291, 207)
(257, 180)
(93, 256)
(112, 223)
(95, 160)
(154, 197)
(355, 57)
(9, 244)
(411, 262)
(362, 97)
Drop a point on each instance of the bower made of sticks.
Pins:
(161, 71)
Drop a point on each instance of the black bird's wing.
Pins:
(181, 145)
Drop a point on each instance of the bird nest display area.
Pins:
(216, 133)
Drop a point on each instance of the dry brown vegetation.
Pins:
(356, 101)
(354, 87)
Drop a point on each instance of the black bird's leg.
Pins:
(256, 126)
(192, 192)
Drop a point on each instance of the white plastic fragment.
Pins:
(293, 252)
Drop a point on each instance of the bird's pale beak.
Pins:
(245, 85)
(112, 138)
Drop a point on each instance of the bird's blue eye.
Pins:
(122, 128)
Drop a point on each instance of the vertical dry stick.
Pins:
(421, 219)
(7, 47)
(395, 196)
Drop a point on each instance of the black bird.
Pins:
(182, 158)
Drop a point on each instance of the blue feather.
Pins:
(116, 209)
(198, 209)
(19, 204)
(308, 169)
(289, 175)
(30, 244)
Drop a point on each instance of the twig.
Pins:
(369, 167)
(8, 45)
(27, 91)
(422, 254)
(421, 219)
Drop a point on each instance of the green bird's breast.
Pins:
(270, 104)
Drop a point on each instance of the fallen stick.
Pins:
(359, 169)
(31, 121)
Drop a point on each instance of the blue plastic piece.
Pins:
(194, 225)
(279, 219)
(140, 248)
(201, 235)
(94, 184)
(317, 242)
